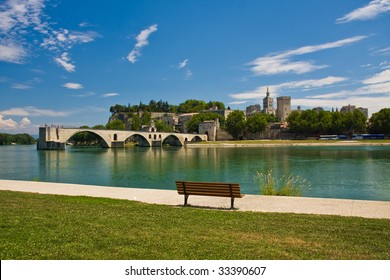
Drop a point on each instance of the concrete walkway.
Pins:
(258, 203)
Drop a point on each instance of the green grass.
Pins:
(35, 226)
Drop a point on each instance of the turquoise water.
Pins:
(335, 172)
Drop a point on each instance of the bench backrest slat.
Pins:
(209, 188)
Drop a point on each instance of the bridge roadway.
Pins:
(55, 138)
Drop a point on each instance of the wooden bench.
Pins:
(231, 190)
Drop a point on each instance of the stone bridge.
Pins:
(55, 138)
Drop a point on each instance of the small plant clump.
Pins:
(285, 186)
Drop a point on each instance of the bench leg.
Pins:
(185, 199)
(232, 203)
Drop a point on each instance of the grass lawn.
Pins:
(35, 226)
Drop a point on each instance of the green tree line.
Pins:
(23, 139)
(311, 122)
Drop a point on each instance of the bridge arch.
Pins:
(171, 140)
(105, 143)
(141, 139)
(196, 138)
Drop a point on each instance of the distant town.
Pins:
(256, 122)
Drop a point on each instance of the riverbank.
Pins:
(249, 203)
(275, 143)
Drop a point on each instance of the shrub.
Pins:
(284, 186)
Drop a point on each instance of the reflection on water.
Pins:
(339, 172)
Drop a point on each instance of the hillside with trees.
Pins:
(189, 106)
(133, 117)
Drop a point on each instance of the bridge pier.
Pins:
(117, 144)
(49, 139)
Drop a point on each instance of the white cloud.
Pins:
(20, 19)
(385, 64)
(370, 11)
(21, 86)
(13, 126)
(132, 57)
(141, 41)
(374, 94)
(381, 77)
(259, 92)
(384, 51)
(10, 52)
(238, 102)
(183, 64)
(7, 123)
(110, 94)
(142, 38)
(16, 15)
(84, 95)
(282, 62)
(63, 61)
(63, 39)
(73, 86)
(25, 122)
(373, 103)
(33, 111)
(188, 75)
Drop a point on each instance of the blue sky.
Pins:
(66, 62)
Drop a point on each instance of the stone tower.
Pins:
(283, 107)
(268, 104)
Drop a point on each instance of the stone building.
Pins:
(182, 119)
(209, 128)
(252, 109)
(283, 107)
(351, 108)
(268, 104)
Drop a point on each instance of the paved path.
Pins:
(258, 203)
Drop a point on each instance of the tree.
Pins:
(162, 126)
(294, 121)
(213, 104)
(324, 125)
(380, 121)
(192, 106)
(116, 125)
(235, 123)
(256, 123)
(355, 122)
(136, 121)
(338, 123)
(99, 126)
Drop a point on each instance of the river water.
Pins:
(334, 172)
